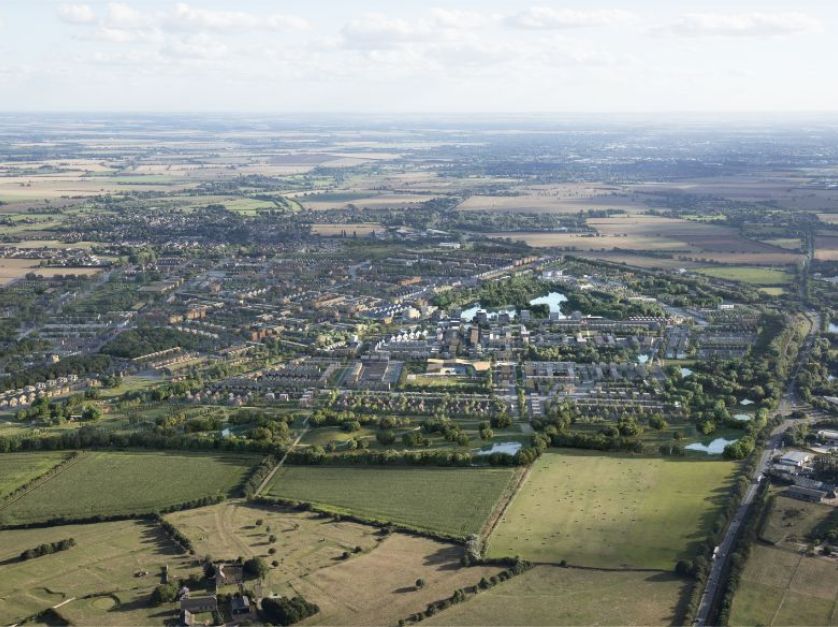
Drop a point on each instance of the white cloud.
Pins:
(743, 24)
(77, 13)
(182, 17)
(125, 16)
(186, 16)
(195, 47)
(547, 18)
(376, 31)
(459, 19)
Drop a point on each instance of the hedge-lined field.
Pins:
(452, 501)
(594, 509)
(17, 469)
(110, 483)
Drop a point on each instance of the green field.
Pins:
(105, 483)
(17, 469)
(106, 561)
(753, 275)
(780, 584)
(612, 511)
(455, 501)
(782, 587)
(548, 595)
(791, 520)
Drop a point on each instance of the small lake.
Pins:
(685, 372)
(553, 300)
(715, 447)
(509, 448)
(468, 314)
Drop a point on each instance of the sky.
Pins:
(411, 56)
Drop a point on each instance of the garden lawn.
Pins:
(453, 501)
(615, 511)
(110, 483)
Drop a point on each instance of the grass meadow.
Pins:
(748, 274)
(783, 587)
(612, 511)
(105, 562)
(16, 469)
(548, 595)
(454, 501)
(108, 483)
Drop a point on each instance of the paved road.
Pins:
(715, 579)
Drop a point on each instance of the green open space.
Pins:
(548, 595)
(118, 562)
(110, 483)
(16, 469)
(455, 501)
(784, 587)
(753, 275)
(613, 511)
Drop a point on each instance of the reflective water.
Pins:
(716, 447)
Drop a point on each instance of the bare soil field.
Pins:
(570, 198)
(826, 248)
(791, 191)
(305, 541)
(641, 261)
(373, 201)
(329, 230)
(549, 595)
(13, 269)
(378, 588)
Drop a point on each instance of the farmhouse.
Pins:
(228, 574)
(829, 437)
(240, 605)
(196, 605)
(797, 459)
(806, 494)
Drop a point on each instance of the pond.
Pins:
(715, 447)
(553, 300)
(685, 372)
(510, 448)
(468, 314)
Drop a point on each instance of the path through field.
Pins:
(284, 457)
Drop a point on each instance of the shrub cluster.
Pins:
(462, 594)
(47, 549)
(175, 535)
(257, 476)
(287, 610)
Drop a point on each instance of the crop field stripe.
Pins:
(65, 465)
(126, 483)
(452, 501)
